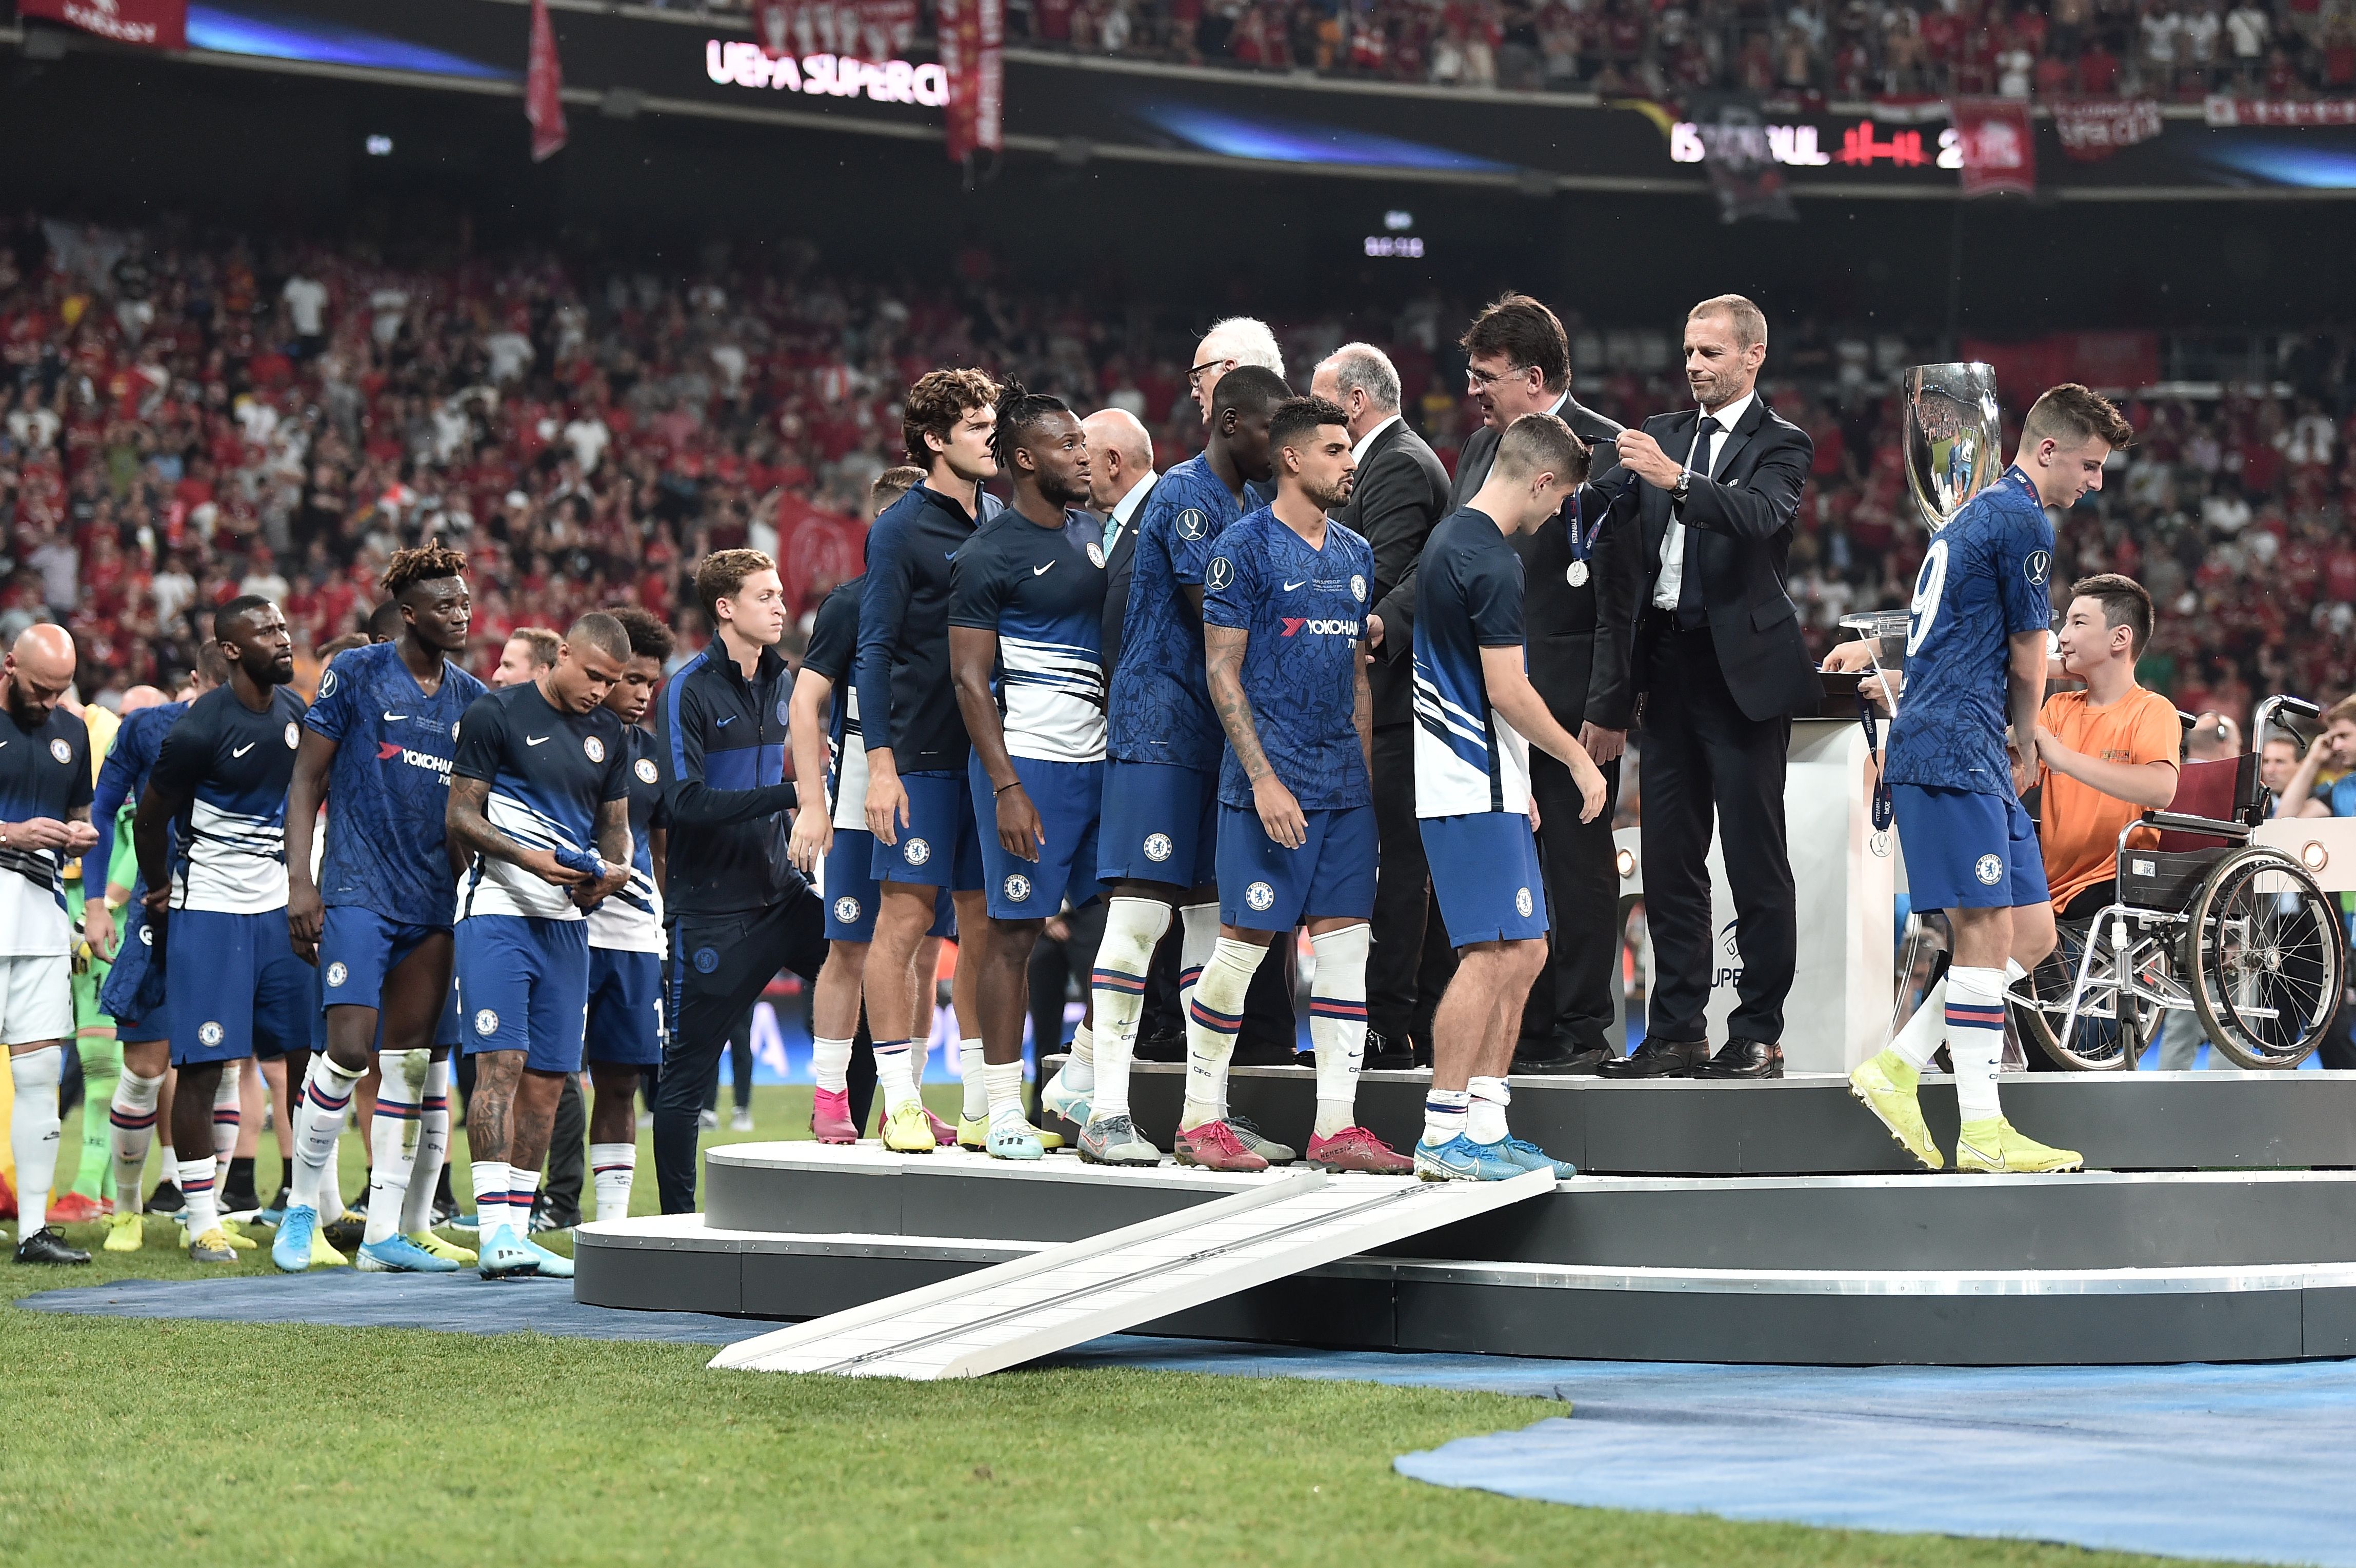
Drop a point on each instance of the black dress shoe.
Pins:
(1744, 1059)
(1384, 1055)
(1263, 1052)
(1168, 1046)
(1657, 1059)
(46, 1246)
(1547, 1058)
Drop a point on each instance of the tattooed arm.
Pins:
(469, 834)
(1280, 813)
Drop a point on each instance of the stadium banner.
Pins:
(147, 23)
(2218, 109)
(2093, 129)
(543, 89)
(684, 62)
(1739, 158)
(1999, 150)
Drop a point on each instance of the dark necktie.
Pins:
(1690, 613)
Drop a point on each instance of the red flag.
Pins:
(150, 24)
(1999, 150)
(972, 35)
(543, 88)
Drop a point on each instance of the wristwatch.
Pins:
(1682, 488)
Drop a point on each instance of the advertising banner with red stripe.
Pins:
(149, 24)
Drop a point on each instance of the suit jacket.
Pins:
(1121, 566)
(1399, 494)
(1739, 524)
(1580, 636)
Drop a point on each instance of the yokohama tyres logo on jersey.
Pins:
(386, 751)
(1294, 624)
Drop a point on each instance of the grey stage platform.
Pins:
(2239, 1262)
(1807, 1124)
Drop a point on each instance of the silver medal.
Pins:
(1575, 574)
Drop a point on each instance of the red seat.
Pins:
(2211, 789)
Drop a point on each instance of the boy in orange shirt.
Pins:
(2105, 755)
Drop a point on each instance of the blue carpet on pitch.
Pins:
(346, 1298)
(2245, 1462)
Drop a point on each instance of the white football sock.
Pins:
(893, 1076)
(1444, 1114)
(394, 1133)
(432, 1150)
(33, 1129)
(132, 1119)
(523, 1186)
(490, 1179)
(1918, 1041)
(1198, 938)
(1484, 1120)
(1133, 929)
(1337, 1022)
(228, 1102)
(1975, 1017)
(1080, 1065)
(831, 1064)
(318, 1123)
(1004, 1083)
(1212, 1020)
(974, 1078)
(197, 1186)
(611, 1168)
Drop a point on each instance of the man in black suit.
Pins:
(1121, 477)
(1400, 491)
(1578, 609)
(1723, 668)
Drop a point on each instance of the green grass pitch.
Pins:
(217, 1445)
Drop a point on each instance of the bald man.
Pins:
(1121, 477)
(1236, 341)
(45, 789)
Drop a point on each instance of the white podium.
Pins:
(1846, 876)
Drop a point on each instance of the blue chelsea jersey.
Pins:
(1983, 581)
(1305, 611)
(1041, 592)
(1160, 706)
(389, 787)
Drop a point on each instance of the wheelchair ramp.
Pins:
(1067, 1294)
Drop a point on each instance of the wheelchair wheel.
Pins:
(2114, 1028)
(2268, 959)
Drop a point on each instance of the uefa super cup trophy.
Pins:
(1953, 437)
(1954, 451)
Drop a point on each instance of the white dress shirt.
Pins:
(1358, 452)
(1126, 507)
(1672, 581)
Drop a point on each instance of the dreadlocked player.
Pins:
(1026, 613)
(377, 921)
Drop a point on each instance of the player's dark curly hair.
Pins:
(426, 562)
(649, 639)
(1019, 409)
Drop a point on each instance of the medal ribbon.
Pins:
(1884, 808)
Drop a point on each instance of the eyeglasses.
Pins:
(1194, 375)
(1480, 377)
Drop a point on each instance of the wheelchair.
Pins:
(2239, 931)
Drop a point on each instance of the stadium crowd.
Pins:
(2166, 49)
(189, 418)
